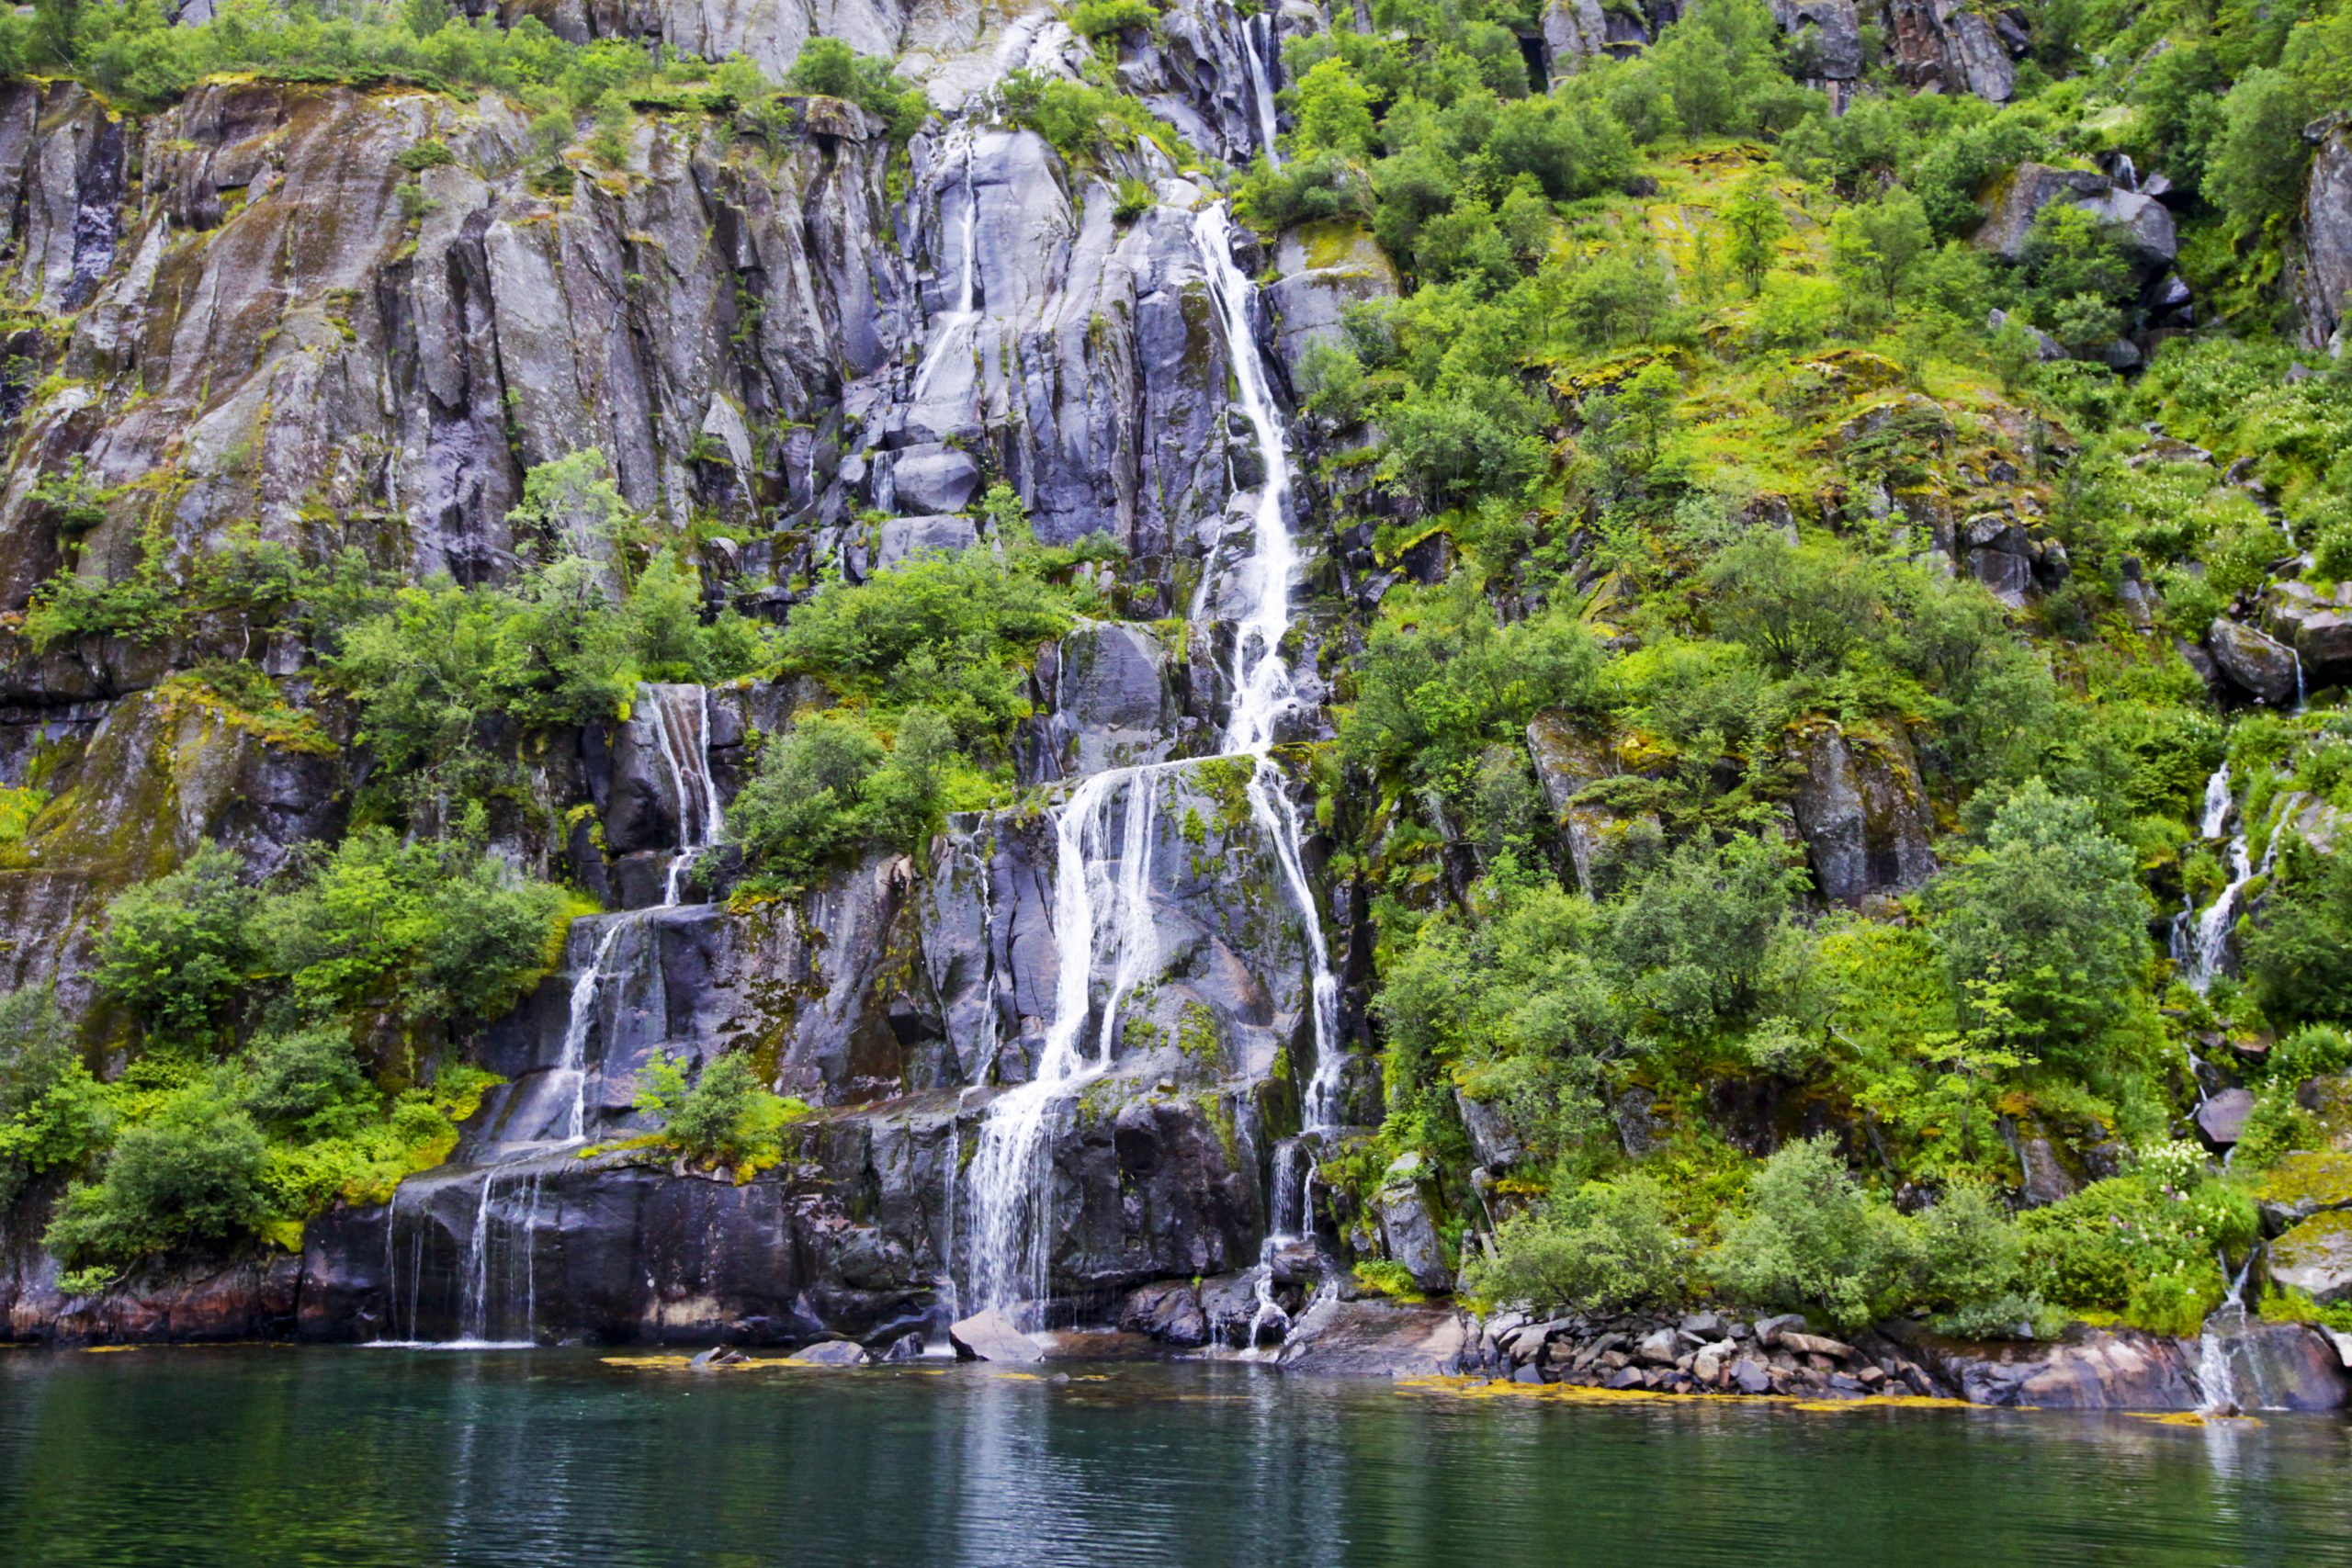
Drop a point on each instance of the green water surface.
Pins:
(364, 1457)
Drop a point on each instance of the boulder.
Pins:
(1861, 808)
(2315, 1256)
(1408, 1225)
(1824, 39)
(2325, 641)
(1374, 1338)
(1658, 1348)
(1815, 1345)
(1768, 1330)
(2319, 268)
(2222, 1118)
(2086, 1370)
(934, 479)
(1169, 1311)
(2311, 1181)
(2261, 666)
(905, 1347)
(2144, 225)
(992, 1336)
(1951, 46)
(831, 1353)
(1752, 1376)
(901, 538)
(1326, 267)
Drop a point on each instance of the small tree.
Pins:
(1754, 217)
(175, 949)
(1605, 1247)
(724, 1116)
(1813, 1238)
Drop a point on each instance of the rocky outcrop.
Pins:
(1949, 46)
(2261, 667)
(1326, 267)
(2315, 1256)
(2319, 268)
(1367, 1339)
(2142, 222)
(2086, 1370)
(1862, 810)
(2319, 629)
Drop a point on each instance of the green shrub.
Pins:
(1098, 20)
(307, 1080)
(1603, 1247)
(177, 950)
(726, 1116)
(190, 1175)
(53, 1114)
(1811, 1238)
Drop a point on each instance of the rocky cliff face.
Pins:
(251, 314)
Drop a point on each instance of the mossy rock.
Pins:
(2305, 1184)
(2316, 1257)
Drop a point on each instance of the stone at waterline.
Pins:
(991, 1337)
(831, 1353)
(1770, 1330)
(1169, 1311)
(905, 1347)
(1752, 1376)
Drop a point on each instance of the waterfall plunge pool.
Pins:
(260, 1455)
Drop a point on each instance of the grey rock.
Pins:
(1945, 45)
(1768, 1330)
(1863, 812)
(2260, 666)
(1169, 1311)
(1752, 1376)
(933, 478)
(831, 1353)
(2315, 1256)
(2222, 1118)
(991, 1337)
(1369, 1338)
(2145, 225)
(2319, 271)
(902, 538)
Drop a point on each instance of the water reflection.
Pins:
(308, 1456)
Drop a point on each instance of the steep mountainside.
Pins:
(769, 672)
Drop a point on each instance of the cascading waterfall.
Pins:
(1258, 44)
(1263, 691)
(2200, 942)
(682, 736)
(1105, 837)
(700, 818)
(956, 325)
(1102, 910)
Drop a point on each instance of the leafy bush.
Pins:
(190, 1175)
(1098, 20)
(53, 1115)
(1604, 1247)
(829, 786)
(725, 1116)
(177, 950)
(427, 930)
(1811, 1238)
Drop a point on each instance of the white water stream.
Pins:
(2200, 940)
(1260, 45)
(1104, 838)
(680, 719)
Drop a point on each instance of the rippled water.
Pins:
(356, 1457)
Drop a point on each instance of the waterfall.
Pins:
(1105, 837)
(956, 325)
(2199, 942)
(685, 755)
(1261, 56)
(1262, 689)
(1101, 909)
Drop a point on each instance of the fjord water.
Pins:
(359, 1457)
